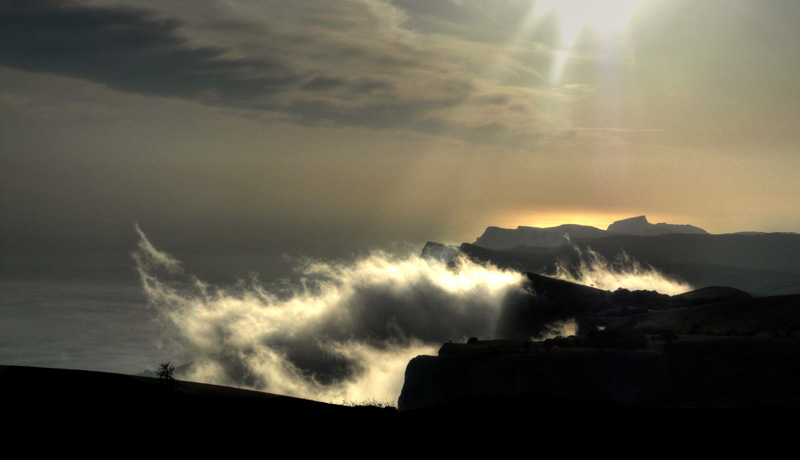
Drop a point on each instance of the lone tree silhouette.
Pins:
(165, 371)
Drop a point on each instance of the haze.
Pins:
(320, 127)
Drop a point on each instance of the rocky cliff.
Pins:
(714, 347)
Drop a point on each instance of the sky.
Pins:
(322, 127)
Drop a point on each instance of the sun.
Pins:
(605, 16)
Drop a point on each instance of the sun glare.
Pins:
(604, 16)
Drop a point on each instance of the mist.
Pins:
(339, 332)
(592, 269)
(345, 331)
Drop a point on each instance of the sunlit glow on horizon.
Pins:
(598, 219)
(547, 219)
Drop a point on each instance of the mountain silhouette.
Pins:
(758, 263)
(551, 237)
(640, 226)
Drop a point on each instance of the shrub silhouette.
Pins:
(165, 371)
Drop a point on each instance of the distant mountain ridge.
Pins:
(757, 262)
(641, 227)
(504, 238)
(553, 237)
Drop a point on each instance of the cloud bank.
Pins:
(593, 269)
(364, 63)
(132, 50)
(345, 332)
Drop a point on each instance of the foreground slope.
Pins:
(100, 415)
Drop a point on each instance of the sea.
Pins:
(89, 311)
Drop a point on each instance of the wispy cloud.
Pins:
(130, 50)
(364, 63)
(347, 332)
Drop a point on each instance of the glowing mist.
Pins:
(345, 333)
(595, 270)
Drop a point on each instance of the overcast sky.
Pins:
(326, 125)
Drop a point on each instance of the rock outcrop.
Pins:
(507, 368)
(713, 347)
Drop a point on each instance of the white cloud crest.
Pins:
(345, 333)
(624, 272)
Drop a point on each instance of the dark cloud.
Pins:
(137, 51)
(130, 50)
(494, 100)
(369, 86)
(321, 83)
(374, 115)
(479, 20)
(316, 67)
(478, 133)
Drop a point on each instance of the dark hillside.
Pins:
(758, 263)
(761, 251)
